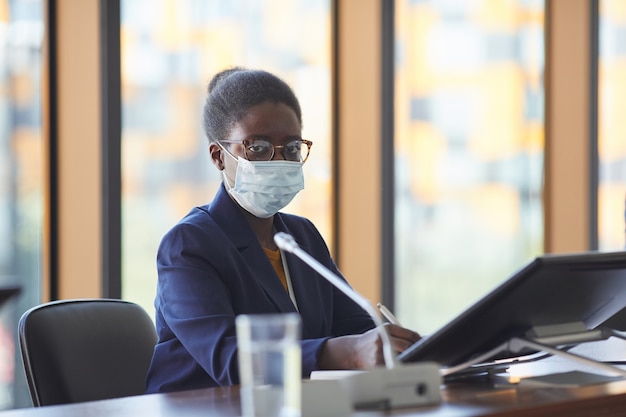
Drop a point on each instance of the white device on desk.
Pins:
(395, 385)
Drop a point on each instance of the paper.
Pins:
(570, 379)
(334, 374)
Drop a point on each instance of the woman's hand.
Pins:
(364, 351)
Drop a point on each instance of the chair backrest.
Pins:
(85, 350)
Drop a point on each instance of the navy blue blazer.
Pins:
(211, 268)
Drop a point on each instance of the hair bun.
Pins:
(221, 76)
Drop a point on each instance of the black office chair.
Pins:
(86, 349)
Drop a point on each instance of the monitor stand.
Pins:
(546, 341)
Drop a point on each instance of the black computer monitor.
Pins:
(587, 288)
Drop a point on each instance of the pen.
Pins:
(388, 314)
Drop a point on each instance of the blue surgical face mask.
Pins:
(265, 187)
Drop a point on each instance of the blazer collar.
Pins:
(228, 216)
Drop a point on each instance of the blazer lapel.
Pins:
(227, 215)
(313, 293)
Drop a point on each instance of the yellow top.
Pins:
(274, 257)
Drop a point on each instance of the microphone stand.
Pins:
(396, 385)
(288, 243)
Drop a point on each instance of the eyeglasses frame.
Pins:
(248, 141)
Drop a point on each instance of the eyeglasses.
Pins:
(296, 150)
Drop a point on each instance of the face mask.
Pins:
(265, 187)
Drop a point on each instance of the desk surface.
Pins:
(459, 401)
(477, 398)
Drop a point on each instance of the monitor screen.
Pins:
(551, 290)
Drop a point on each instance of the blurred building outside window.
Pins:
(21, 181)
(469, 120)
(612, 126)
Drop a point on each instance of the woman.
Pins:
(221, 260)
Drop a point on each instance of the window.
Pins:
(612, 126)
(21, 180)
(468, 151)
(170, 50)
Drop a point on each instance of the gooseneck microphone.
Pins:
(288, 243)
(396, 384)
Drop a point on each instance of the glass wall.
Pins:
(468, 151)
(612, 126)
(170, 50)
(21, 177)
